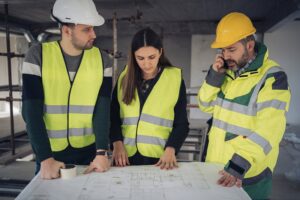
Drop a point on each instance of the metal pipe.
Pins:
(10, 98)
(12, 54)
(115, 49)
(13, 99)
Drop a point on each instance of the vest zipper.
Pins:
(71, 85)
(141, 108)
(137, 125)
(68, 114)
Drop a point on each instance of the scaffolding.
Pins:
(10, 151)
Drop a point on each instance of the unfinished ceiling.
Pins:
(174, 17)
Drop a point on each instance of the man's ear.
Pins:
(66, 30)
(250, 45)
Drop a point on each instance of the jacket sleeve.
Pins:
(33, 104)
(209, 90)
(181, 125)
(269, 126)
(115, 129)
(101, 122)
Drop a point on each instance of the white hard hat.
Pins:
(76, 12)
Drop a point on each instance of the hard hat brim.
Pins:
(218, 45)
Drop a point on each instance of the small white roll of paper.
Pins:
(69, 172)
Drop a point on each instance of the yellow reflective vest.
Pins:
(68, 109)
(147, 130)
(248, 117)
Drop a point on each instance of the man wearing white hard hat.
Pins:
(248, 96)
(66, 95)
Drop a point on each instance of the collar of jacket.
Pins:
(261, 56)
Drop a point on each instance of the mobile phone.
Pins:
(219, 51)
(225, 66)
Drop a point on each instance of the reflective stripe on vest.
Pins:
(72, 132)
(150, 119)
(152, 127)
(51, 109)
(68, 109)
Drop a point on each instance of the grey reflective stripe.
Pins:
(265, 145)
(261, 82)
(247, 110)
(54, 109)
(231, 128)
(279, 105)
(54, 134)
(151, 140)
(81, 109)
(30, 68)
(156, 120)
(130, 121)
(72, 132)
(80, 131)
(209, 104)
(251, 109)
(267, 173)
(261, 141)
(129, 141)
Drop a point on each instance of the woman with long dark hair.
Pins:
(148, 110)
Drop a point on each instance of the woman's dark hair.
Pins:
(143, 38)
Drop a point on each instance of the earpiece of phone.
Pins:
(219, 51)
(225, 66)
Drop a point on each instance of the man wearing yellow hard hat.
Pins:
(248, 96)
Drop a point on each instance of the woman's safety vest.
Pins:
(148, 129)
(69, 107)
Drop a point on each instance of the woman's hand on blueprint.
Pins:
(168, 159)
(119, 156)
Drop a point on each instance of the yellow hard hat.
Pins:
(232, 28)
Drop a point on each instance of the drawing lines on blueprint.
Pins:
(143, 182)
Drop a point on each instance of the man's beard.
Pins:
(79, 46)
(240, 63)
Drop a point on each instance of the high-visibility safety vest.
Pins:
(68, 109)
(147, 130)
(248, 117)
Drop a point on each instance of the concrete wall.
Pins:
(283, 45)
(201, 58)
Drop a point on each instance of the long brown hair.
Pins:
(143, 38)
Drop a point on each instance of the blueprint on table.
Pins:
(191, 181)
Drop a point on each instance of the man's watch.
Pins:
(102, 153)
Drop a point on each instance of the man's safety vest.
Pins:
(147, 130)
(69, 107)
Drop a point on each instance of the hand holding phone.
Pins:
(219, 52)
(220, 64)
